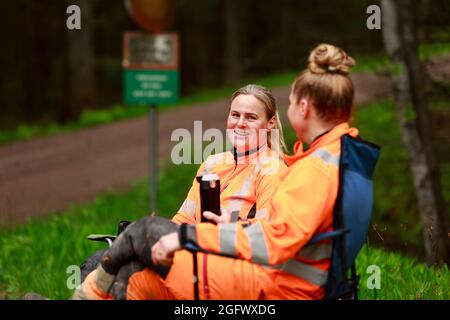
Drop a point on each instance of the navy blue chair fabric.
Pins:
(352, 214)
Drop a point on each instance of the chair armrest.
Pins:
(327, 235)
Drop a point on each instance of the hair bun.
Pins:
(326, 58)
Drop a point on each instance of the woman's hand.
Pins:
(225, 217)
(163, 251)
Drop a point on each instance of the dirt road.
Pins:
(48, 174)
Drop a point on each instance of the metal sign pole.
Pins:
(153, 130)
(151, 78)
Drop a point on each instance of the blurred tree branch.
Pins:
(80, 79)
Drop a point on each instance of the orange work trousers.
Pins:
(219, 278)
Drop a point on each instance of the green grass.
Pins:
(401, 278)
(90, 118)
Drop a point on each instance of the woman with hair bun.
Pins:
(272, 258)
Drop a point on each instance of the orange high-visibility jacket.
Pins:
(302, 206)
(245, 180)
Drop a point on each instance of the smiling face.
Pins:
(246, 118)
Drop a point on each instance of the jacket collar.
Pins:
(323, 140)
(261, 154)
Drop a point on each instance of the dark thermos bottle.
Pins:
(209, 194)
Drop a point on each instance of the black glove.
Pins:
(135, 243)
(120, 286)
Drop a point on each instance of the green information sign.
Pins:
(147, 87)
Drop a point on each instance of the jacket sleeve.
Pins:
(302, 202)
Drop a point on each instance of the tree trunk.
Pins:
(80, 79)
(414, 120)
(32, 74)
(194, 45)
(423, 19)
(233, 62)
(286, 37)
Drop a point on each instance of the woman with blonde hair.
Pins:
(248, 173)
(272, 259)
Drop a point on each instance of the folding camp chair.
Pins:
(352, 216)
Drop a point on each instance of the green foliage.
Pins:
(379, 63)
(410, 113)
(372, 64)
(396, 69)
(430, 50)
